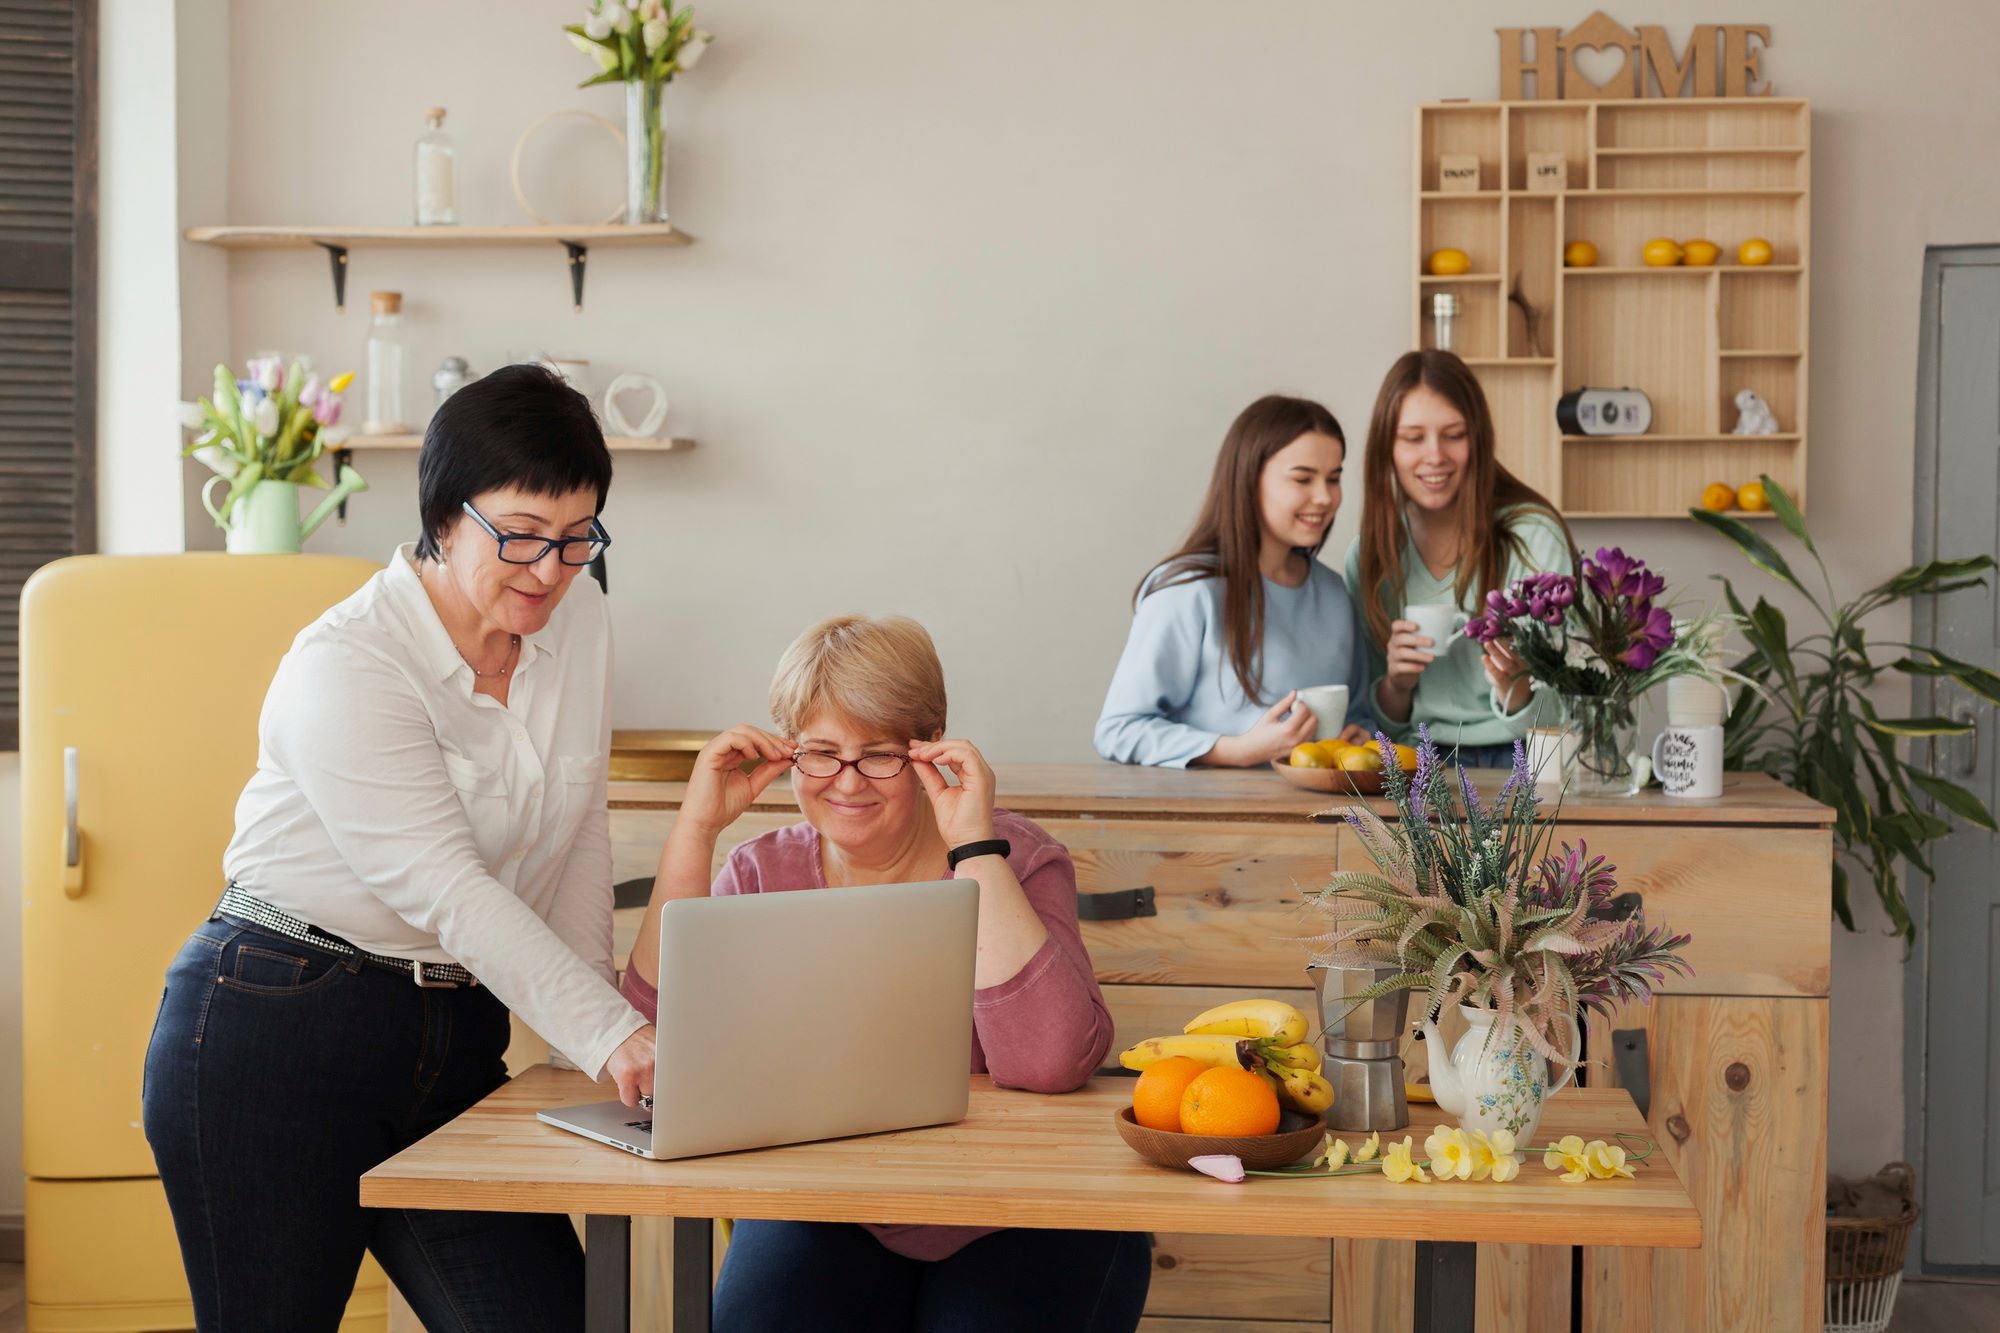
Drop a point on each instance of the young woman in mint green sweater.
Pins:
(1443, 521)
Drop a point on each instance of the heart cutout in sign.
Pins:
(655, 412)
(1601, 66)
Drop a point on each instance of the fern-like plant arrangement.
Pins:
(1471, 902)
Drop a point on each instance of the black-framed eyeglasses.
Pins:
(526, 549)
(820, 764)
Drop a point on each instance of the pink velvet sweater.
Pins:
(1044, 1029)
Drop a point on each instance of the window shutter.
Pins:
(48, 304)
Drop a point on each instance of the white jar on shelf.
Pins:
(436, 173)
(387, 413)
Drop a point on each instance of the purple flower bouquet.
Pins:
(1598, 641)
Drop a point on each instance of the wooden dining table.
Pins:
(1017, 1160)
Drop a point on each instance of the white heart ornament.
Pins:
(614, 415)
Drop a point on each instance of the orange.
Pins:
(1754, 252)
(1406, 758)
(1662, 253)
(1580, 254)
(1449, 262)
(1718, 495)
(1156, 1095)
(1701, 253)
(1309, 755)
(1229, 1102)
(1752, 497)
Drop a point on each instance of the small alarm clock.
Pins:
(1604, 412)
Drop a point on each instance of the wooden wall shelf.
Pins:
(616, 443)
(1725, 169)
(338, 240)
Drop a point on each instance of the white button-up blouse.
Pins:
(397, 809)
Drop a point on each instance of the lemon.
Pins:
(1580, 254)
(1662, 253)
(1754, 252)
(1718, 495)
(1360, 759)
(1309, 755)
(1406, 758)
(1752, 498)
(1701, 253)
(1447, 263)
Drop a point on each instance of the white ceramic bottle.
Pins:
(436, 173)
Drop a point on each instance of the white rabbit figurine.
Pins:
(1753, 416)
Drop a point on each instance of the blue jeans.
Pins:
(820, 1277)
(277, 1074)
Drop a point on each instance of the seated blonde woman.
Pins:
(859, 707)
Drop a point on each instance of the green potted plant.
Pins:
(1807, 719)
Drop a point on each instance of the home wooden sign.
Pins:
(1720, 59)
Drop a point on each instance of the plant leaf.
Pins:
(1956, 799)
(1917, 726)
(1760, 552)
(1787, 512)
(1925, 577)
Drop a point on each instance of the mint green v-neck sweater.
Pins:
(1453, 696)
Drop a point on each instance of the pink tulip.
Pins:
(327, 410)
(309, 391)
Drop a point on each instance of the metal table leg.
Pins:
(694, 1264)
(607, 1274)
(1447, 1286)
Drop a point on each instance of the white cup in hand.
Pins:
(1436, 621)
(1329, 705)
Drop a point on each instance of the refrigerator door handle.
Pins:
(72, 836)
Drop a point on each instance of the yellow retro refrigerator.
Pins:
(141, 682)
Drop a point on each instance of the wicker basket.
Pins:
(1864, 1264)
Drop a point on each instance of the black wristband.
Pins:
(990, 847)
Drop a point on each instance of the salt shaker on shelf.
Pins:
(436, 173)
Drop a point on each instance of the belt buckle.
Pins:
(417, 973)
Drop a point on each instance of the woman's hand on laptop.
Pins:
(631, 1066)
(964, 812)
(718, 788)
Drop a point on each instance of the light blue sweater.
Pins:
(1173, 695)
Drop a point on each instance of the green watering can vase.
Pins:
(265, 519)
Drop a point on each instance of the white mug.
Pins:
(1329, 704)
(1688, 761)
(1436, 621)
(1551, 755)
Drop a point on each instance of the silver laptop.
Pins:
(786, 1017)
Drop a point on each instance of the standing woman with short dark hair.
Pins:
(424, 846)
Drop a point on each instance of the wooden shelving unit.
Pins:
(1725, 169)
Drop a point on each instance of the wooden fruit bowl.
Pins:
(1336, 781)
(1298, 1137)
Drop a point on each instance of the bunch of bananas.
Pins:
(1267, 1037)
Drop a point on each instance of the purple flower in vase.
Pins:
(1538, 606)
(1562, 592)
(1652, 634)
(1607, 574)
(1483, 629)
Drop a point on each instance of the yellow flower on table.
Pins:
(1605, 1160)
(1451, 1153)
(1333, 1152)
(1398, 1166)
(1493, 1156)
(1370, 1148)
(1566, 1156)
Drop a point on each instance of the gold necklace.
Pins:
(512, 648)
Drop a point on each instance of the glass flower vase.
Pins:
(645, 152)
(1605, 732)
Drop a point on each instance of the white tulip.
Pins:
(621, 22)
(653, 33)
(597, 27)
(607, 59)
(191, 415)
(691, 49)
(630, 4)
(652, 9)
(266, 420)
(212, 457)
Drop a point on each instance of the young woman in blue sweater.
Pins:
(1232, 625)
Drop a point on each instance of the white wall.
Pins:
(978, 288)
